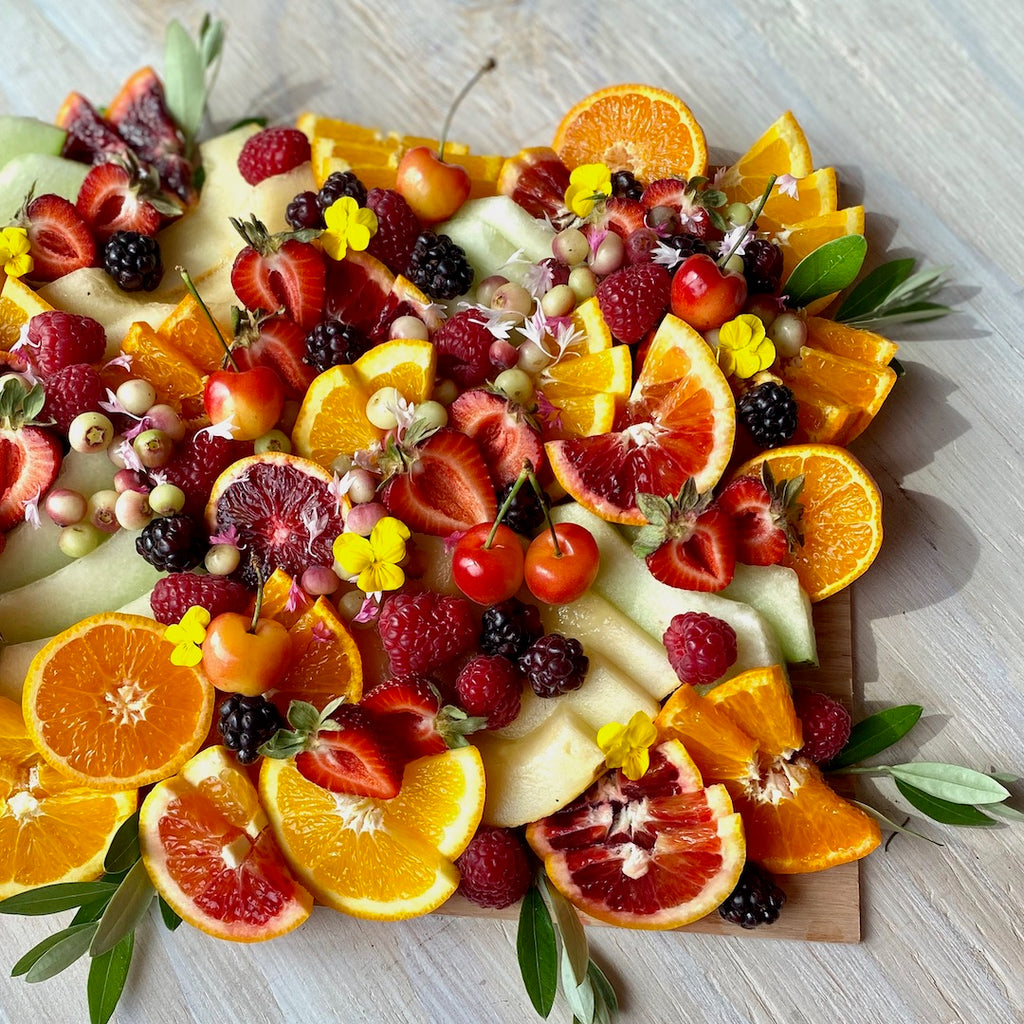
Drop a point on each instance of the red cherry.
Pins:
(562, 575)
(489, 574)
(704, 296)
(238, 659)
(251, 399)
(434, 188)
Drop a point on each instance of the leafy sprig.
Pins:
(190, 68)
(893, 293)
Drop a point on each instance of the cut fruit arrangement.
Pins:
(484, 501)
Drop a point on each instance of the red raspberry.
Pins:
(74, 389)
(197, 463)
(826, 725)
(175, 594)
(421, 632)
(272, 151)
(700, 647)
(634, 299)
(495, 868)
(463, 345)
(490, 686)
(397, 229)
(58, 339)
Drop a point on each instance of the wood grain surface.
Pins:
(919, 106)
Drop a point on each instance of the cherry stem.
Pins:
(722, 260)
(547, 515)
(489, 65)
(259, 595)
(194, 292)
(524, 473)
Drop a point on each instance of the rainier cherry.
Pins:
(561, 563)
(487, 564)
(705, 296)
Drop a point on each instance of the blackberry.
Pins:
(509, 628)
(624, 184)
(768, 411)
(333, 342)
(338, 184)
(554, 665)
(762, 267)
(686, 245)
(133, 261)
(246, 723)
(439, 267)
(525, 514)
(173, 543)
(304, 212)
(756, 899)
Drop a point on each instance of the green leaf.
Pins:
(877, 733)
(1003, 810)
(123, 851)
(875, 289)
(211, 40)
(71, 944)
(578, 994)
(125, 911)
(890, 824)
(949, 782)
(570, 929)
(829, 268)
(92, 911)
(918, 312)
(169, 915)
(107, 975)
(537, 951)
(606, 1002)
(1003, 776)
(942, 810)
(184, 80)
(303, 716)
(52, 899)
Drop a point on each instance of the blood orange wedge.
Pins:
(656, 853)
(208, 848)
(283, 508)
(382, 859)
(842, 514)
(633, 128)
(536, 178)
(104, 704)
(680, 422)
(52, 829)
(744, 734)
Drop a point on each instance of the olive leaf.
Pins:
(1004, 811)
(537, 951)
(874, 289)
(606, 1002)
(876, 733)
(125, 911)
(169, 914)
(892, 293)
(184, 85)
(52, 899)
(123, 851)
(949, 782)
(570, 928)
(892, 825)
(578, 994)
(828, 269)
(943, 811)
(107, 975)
(61, 951)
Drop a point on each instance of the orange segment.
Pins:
(18, 304)
(782, 149)
(635, 128)
(589, 322)
(842, 514)
(760, 705)
(801, 239)
(137, 717)
(586, 391)
(820, 419)
(188, 330)
(178, 380)
(816, 194)
(849, 342)
(406, 364)
(332, 417)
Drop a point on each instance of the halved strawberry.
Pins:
(275, 271)
(60, 241)
(280, 343)
(766, 514)
(665, 192)
(623, 216)
(116, 197)
(30, 456)
(690, 202)
(688, 542)
(501, 431)
(443, 487)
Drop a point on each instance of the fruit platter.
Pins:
(394, 528)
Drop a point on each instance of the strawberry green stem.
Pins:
(489, 65)
(722, 260)
(193, 291)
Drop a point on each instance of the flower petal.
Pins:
(353, 553)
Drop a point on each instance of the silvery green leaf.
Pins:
(606, 1002)
(1003, 776)
(942, 811)
(829, 268)
(52, 899)
(184, 80)
(324, 717)
(917, 286)
(890, 824)
(876, 733)
(107, 975)
(1002, 810)
(303, 716)
(949, 782)
(211, 40)
(579, 995)
(61, 951)
(876, 287)
(570, 928)
(33, 403)
(127, 908)
(537, 951)
(123, 851)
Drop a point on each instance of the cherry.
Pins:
(561, 563)
(251, 399)
(705, 296)
(240, 657)
(487, 563)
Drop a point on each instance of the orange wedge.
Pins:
(820, 419)
(18, 304)
(782, 149)
(188, 329)
(578, 390)
(849, 342)
(816, 194)
(178, 380)
(589, 322)
(801, 239)
(406, 364)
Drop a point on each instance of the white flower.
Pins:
(538, 279)
(716, 178)
(123, 359)
(226, 428)
(129, 456)
(738, 237)
(787, 185)
(666, 255)
(32, 510)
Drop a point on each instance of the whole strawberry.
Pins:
(57, 339)
(272, 151)
(421, 632)
(826, 724)
(634, 299)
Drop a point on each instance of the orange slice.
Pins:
(210, 854)
(782, 149)
(802, 238)
(18, 304)
(137, 718)
(188, 329)
(821, 419)
(849, 342)
(381, 859)
(51, 828)
(842, 514)
(178, 380)
(332, 417)
(633, 128)
(589, 322)
(815, 195)
(579, 391)
(406, 364)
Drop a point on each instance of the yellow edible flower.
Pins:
(628, 746)
(188, 636)
(14, 258)
(349, 226)
(374, 559)
(587, 184)
(743, 347)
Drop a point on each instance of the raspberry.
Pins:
(826, 725)
(57, 339)
(510, 627)
(554, 665)
(422, 631)
(333, 342)
(463, 345)
(173, 543)
(338, 184)
(769, 412)
(133, 261)
(304, 212)
(173, 595)
(755, 900)
(74, 389)
(490, 686)
(197, 463)
(634, 299)
(246, 723)
(438, 266)
(272, 151)
(495, 868)
(700, 647)
(397, 229)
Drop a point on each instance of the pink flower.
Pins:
(370, 608)
(297, 598)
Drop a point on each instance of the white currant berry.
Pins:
(163, 417)
(100, 511)
(570, 246)
(558, 301)
(382, 406)
(136, 396)
(487, 287)
(166, 499)
(79, 539)
(129, 480)
(90, 432)
(350, 603)
(610, 254)
(132, 510)
(154, 448)
(433, 414)
(65, 506)
(532, 358)
(362, 486)
(363, 518)
(273, 441)
(738, 214)
(516, 384)
(734, 263)
(789, 332)
(319, 580)
(583, 282)
(445, 391)
(408, 327)
(512, 298)
(222, 559)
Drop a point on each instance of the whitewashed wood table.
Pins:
(919, 106)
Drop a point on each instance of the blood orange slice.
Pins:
(680, 422)
(656, 853)
(208, 848)
(536, 179)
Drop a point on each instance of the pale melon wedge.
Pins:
(775, 591)
(20, 135)
(41, 173)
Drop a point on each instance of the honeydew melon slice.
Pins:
(41, 173)
(775, 591)
(21, 135)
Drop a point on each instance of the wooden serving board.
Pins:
(823, 906)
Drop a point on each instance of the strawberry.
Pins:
(30, 456)
(57, 339)
(501, 431)
(441, 485)
(671, 192)
(272, 151)
(120, 197)
(634, 299)
(277, 342)
(689, 201)
(688, 542)
(623, 216)
(422, 632)
(275, 271)
(463, 344)
(766, 514)
(60, 240)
